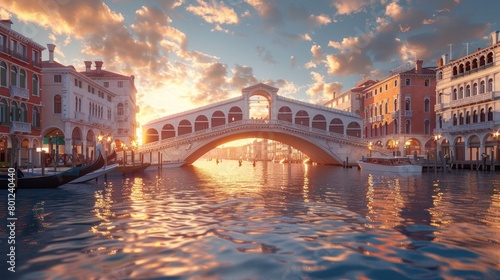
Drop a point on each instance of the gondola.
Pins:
(52, 181)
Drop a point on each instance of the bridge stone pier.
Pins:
(326, 135)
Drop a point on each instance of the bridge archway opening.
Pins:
(259, 105)
(299, 144)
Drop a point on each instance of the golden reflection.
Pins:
(384, 201)
(493, 212)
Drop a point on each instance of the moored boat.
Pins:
(97, 173)
(54, 180)
(401, 165)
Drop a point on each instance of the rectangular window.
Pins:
(408, 81)
(76, 82)
(106, 84)
(120, 84)
(80, 84)
(427, 82)
(57, 78)
(3, 43)
(88, 88)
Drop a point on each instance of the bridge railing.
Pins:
(291, 100)
(209, 132)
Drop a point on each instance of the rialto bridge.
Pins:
(326, 135)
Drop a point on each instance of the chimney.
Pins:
(98, 66)
(51, 48)
(418, 66)
(439, 62)
(7, 22)
(444, 59)
(88, 64)
(494, 37)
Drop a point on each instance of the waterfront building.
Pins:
(398, 111)
(350, 100)
(20, 96)
(468, 104)
(77, 110)
(124, 102)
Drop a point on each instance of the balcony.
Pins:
(16, 91)
(99, 121)
(408, 113)
(79, 116)
(395, 115)
(22, 127)
(474, 99)
(439, 107)
(481, 126)
(18, 55)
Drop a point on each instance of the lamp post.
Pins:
(496, 135)
(57, 152)
(437, 152)
(134, 146)
(370, 148)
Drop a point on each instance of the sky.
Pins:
(189, 53)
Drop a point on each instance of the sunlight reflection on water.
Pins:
(271, 221)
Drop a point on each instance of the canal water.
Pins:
(269, 221)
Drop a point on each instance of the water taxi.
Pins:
(400, 165)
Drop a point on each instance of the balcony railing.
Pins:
(22, 127)
(481, 126)
(16, 91)
(99, 121)
(472, 71)
(478, 98)
(80, 116)
(19, 55)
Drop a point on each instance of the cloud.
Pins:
(268, 11)
(317, 53)
(265, 55)
(346, 7)
(214, 12)
(320, 92)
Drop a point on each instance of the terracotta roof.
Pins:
(55, 64)
(104, 73)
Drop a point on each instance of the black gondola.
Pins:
(52, 181)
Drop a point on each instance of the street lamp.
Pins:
(370, 148)
(496, 135)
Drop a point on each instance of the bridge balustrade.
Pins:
(209, 132)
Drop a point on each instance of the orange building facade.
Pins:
(398, 112)
(20, 96)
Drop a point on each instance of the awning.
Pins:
(60, 141)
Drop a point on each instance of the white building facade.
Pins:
(468, 104)
(76, 111)
(124, 101)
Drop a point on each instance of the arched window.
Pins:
(396, 130)
(467, 117)
(482, 87)
(427, 105)
(395, 105)
(386, 107)
(467, 91)
(22, 78)
(461, 93)
(23, 113)
(408, 126)
(454, 96)
(490, 85)
(490, 58)
(35, 119)
(407, 104)
(440, 75)
(455, 71)
(490, 114)
(454, 119)
(119, 109)
(57, 104)
(482, 116)
(474, 116)
(474, 89)
(4, 111)
(427, 127)
(35, 85)
(461, 118)
(380, 109)
(13, 76)
(14, 112)
(3, 74)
